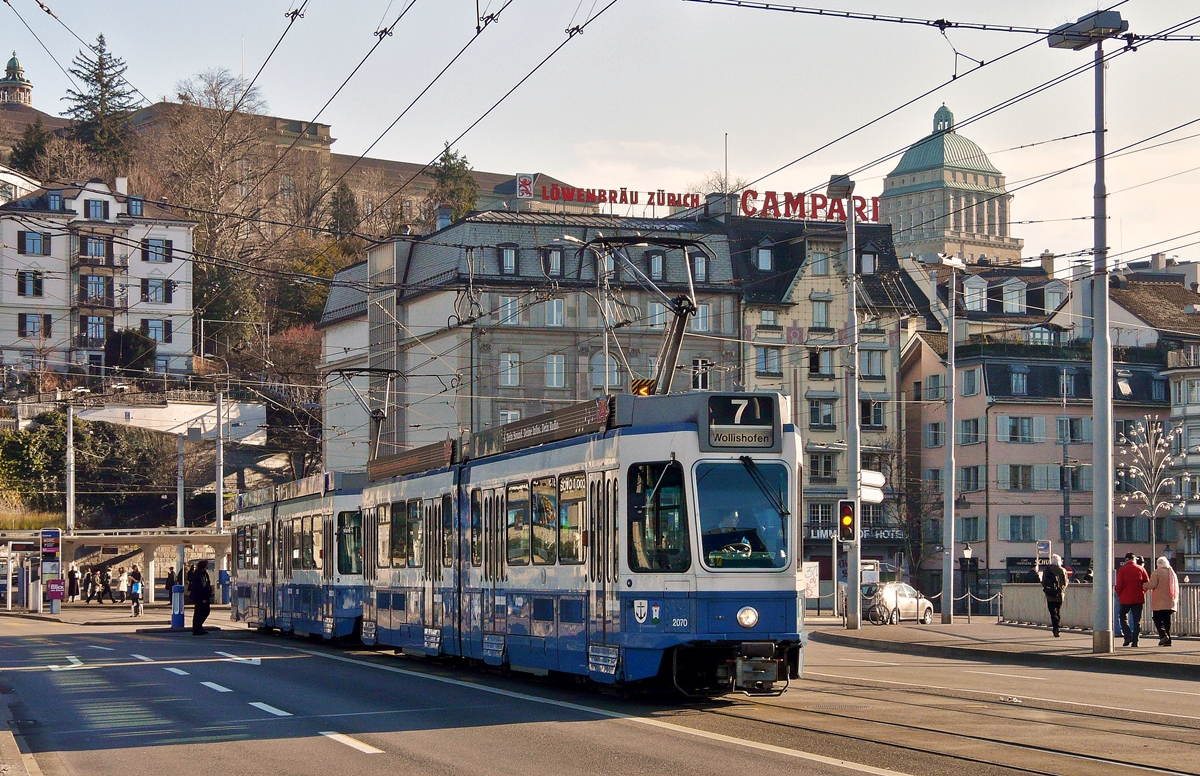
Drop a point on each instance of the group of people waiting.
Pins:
(99, 582)
(1133, 582)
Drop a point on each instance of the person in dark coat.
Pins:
(201, 594)
(170, 580)
(72, 584)
(106, 587)
(89, 585)
(1054, 584)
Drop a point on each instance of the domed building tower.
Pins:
(14, 87)
(946, 197)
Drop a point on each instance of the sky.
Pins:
(645, 96)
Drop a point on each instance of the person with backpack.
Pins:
(1054, 584)
(201, 591)
(106, 587)
(1132, 597)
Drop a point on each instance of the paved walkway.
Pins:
(986, 639)
(154, 615)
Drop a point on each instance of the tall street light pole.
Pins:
(1088, 30)
(948, 478)
(841, 187)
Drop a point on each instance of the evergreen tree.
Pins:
(130, 352)
(453, 184)
(29, 147)
(102, 109)
(343, 211)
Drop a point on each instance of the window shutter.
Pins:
(46, 244)
(37, 284)
(145, 289)
(1087, 429)
(21, 246)
(1040, 477)
(22, 327)
(958, 528)
(21, 284)
(1039, 429)
(1002, 528)
(145, 250)
(1002, 428)
(1085, 528)
(1085, 478)
(1003, 478)
(1041, 528)
(108, 247)
(168, 249)
(46, 320)
(1064, 430)
(145, 328)
(109, 327)
(167, 330)
(1142, 529)
(168, 290)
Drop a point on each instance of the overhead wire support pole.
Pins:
(948, 537)
(70, 469)
(179, 504)
(220, 506)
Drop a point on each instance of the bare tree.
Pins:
(715, 182)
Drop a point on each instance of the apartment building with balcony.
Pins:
(81, 261)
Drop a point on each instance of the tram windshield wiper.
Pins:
(776, 499)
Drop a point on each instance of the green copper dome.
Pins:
(944, 148)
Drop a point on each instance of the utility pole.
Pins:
(70, 469)
(948, 475)
(220, 463)
(1065, 476)
(179, 504)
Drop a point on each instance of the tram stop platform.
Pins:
(986, 639)
(156, 615)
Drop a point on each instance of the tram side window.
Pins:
(383, 536)
(545, 520)
(241, 548)
(658, 527)
(416, 535)
(572, 498)
(307, 538)
(517, 523)
(297, 545)
(317, 542)
(399, 533)
(476, 528)
(349, 543)
(253, 546)
(279, 548)
(447, 530)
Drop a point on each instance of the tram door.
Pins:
(432, 599)
(602, 554)
(495, 610)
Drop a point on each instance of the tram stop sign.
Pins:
(870, 486)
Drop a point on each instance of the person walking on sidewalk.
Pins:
(123, 583)
(200, 588)
(1164, 595)
(89, 585)
(1132, 597)
(1054, 584)
(105, 587)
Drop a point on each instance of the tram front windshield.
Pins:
(743, 514)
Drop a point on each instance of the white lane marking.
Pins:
(97, 646)
(1010, 676)
(616, 715)
(254, 661)
(270, 709)
(215, 686)
(985, 692)
(177, 671)
(1175, 692)
(74, 661)
(143, 658)
(353, 743)
(876, 662)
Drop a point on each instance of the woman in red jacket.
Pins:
(1132, 597)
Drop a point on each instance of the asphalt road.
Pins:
(108, 701)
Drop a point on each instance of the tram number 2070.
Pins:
(679, 622)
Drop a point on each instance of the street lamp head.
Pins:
(840, 187)
(967, 551)
(1088, 30)
(943, 260)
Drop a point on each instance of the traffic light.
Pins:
(847, 521)
(643, 387)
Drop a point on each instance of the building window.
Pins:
(820, 263)
(821, 467)
(554, 312)
(699, 268)
(969, 478)
(871, 413)
(768, 361)
(820, 413)
(95, 209)
(156, 251)
(29, 283)
(1020, 429)
(1020, 528)
(935, 387)
(1068, 384)
(162, 364)
(767, 318)
(655, 265)
(156, 290)
(556, 371)
(508, 261)
(762, 259)
(1158, 390)
(33, 325)
(510, 369)
(33, 243)
(1191, 392)
(701, 321)
(820, 363)
(975, 296)
(1074, 430)
(554, 262)
(508, 310)
(95, 288)
(820, 315)
(870, 364)
(1040, 335)
(1020, 477)
(1014, 298)
(701, 374)
(970, 431)
(820, 515)
(868, 263)
(135, 206)
(509, 416)
(597, 371)
(157, 330)
(933, 480)
(94, 327)
(658, 315)
(872, 515)
(968, 529)
(970, 382)
(935, 434)
(1019, 383)
(54, 200)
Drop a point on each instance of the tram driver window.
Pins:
(383, 536)
(545, 518)
(658, 527)
(349, 543)
(476, 528)
(572, 496)
(517, 524)
(416, 534)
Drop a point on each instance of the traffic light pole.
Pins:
(853, 443)
(948, 475)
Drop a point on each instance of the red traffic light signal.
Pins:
(847, 521)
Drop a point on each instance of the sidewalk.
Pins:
(154, 615)
(985, 639)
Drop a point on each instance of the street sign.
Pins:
(1043, 547)
(870, 486)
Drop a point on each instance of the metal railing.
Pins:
(1026, 603)
(1186, 357)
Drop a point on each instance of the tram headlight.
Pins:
(747, 617)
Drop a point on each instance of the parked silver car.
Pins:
(898, 601)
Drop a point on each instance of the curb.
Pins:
(1041, 660)
(12, 761)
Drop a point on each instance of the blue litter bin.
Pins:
(177, 606)
(223, 581)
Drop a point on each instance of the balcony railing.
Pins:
(80, 259)
(1183, 358)
(91, 343)
(105, 302)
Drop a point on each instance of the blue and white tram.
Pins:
(626, 539)
(298, 550)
